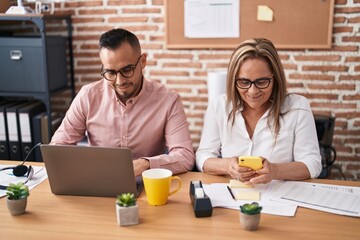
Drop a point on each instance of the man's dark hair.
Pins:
(114, 38)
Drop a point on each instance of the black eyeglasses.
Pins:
(260, 83)
(126, 72)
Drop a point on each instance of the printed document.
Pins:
(336, 199)
(7, 177)
(220, 197)
(212, 18)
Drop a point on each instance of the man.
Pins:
(124, 109)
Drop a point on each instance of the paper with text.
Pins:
(325, 197)
(212, 18)
(221, 197)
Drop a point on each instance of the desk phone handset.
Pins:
(200, 201)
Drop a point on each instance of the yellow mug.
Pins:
(157, 183)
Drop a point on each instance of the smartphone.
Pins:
(252, 162)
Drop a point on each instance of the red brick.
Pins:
(127, 19)
(169, 73)
(210, 66)
(141, 10)
(158, 2)
(89, 63)
(349, 77)
(352, 97)
(347, 10)
(339, 19)
(186, 81)
(290, 66)
(354, 20)
(157, 38)
(357, 68)
(182, 64)
(158, 19)
(126, 2)
(342, 86)
(97, 11)
(346, 48)
(340, 2)
(343, 29)
(325, 77)
(87, 20)
(322, 58)
(74, 4)
(214, 56)
(352, 59)
(328, 105)
(320, 96)
(295, 85)
(172, 56)
(327, 68)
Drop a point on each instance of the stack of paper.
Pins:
(221, 197)
(341, 200)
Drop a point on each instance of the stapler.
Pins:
(200, 201)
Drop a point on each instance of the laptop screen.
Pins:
(89, 170)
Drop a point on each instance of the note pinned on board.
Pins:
(265, 13)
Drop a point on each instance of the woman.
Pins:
(257, 117)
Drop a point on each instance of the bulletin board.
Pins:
(297, 24)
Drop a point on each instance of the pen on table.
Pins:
(231, 193)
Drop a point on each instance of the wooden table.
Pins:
(70, 217)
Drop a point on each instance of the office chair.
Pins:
(325, 131)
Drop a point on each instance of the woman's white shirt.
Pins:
(297, 139)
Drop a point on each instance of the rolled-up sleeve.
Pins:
(306, 146)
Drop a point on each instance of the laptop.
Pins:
(90, 170)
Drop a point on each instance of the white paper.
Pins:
(324, 197)
(7, 177)
(212, 18)
(220, 197)
(216, 83)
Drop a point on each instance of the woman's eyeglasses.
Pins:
(260, 83)
(126, 72)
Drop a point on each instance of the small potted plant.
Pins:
(250, 216)
(17, 195)
(127, 211)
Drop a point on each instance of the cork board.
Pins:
(297, 24)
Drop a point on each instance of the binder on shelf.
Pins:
(41, 132)
(4, 135)
(14, 130)
(25, 115)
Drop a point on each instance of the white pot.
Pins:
(127, 215)
(17, 207)
(249, 222)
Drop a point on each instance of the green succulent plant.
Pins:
(126, 200)
(17, 191)
(251, 209)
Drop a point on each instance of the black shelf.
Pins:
(40, 21)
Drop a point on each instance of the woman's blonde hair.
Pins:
(263, 49)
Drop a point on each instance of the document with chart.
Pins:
(336, 199)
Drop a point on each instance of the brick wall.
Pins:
(330, 79)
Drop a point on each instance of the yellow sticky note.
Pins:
(265, 13)
(247, 195)
(238, 184)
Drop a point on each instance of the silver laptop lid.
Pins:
(89, 171)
